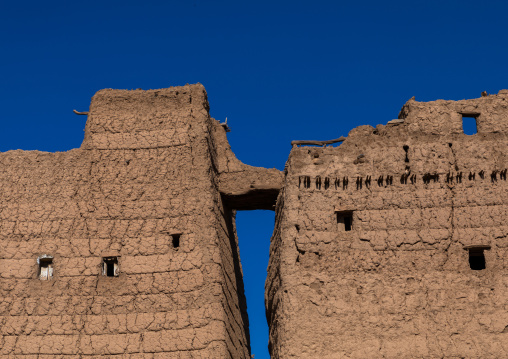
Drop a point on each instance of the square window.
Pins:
(469, 126)
(345, 221)
(110, 266)
(476, 259)
(477, 256)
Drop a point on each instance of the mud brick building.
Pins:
(133, 232)
(392, 244)
(395, 243)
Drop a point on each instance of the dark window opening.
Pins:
(476, 256)
(476, 259)
(175, 240)
(406, 148)
(110, 266)
(345, 221)
(469, 126)
(45, 267)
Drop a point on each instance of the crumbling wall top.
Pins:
(242, 186)
(120, 119)
(445, 117)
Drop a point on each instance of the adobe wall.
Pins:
(154, 166)
(399, 283)
(151, 168)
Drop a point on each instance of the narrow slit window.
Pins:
(175, 240)
(406, 148)
(110, 266)
(345, 221)
(45, 267)
(469, 126)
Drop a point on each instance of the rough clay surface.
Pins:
(420, 193)
(153, 166)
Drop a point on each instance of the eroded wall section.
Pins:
(394, 244)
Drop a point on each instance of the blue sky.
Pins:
(279, 70)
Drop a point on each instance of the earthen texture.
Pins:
(153, 167)
(422, 196)
(370, 255)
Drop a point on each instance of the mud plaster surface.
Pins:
(149, 169)
(399, 283)
(155, 166)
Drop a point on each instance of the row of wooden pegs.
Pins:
(387, 180)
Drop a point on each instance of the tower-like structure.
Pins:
(394, 244)
(126, 247)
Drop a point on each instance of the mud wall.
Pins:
(142, 190)
(391, 245)
(377, 241)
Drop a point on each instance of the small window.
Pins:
(110, 266)
(45, 267)
(477, 256)
(345, 221)
(175, 240)
(469, 126)
(476, 259)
